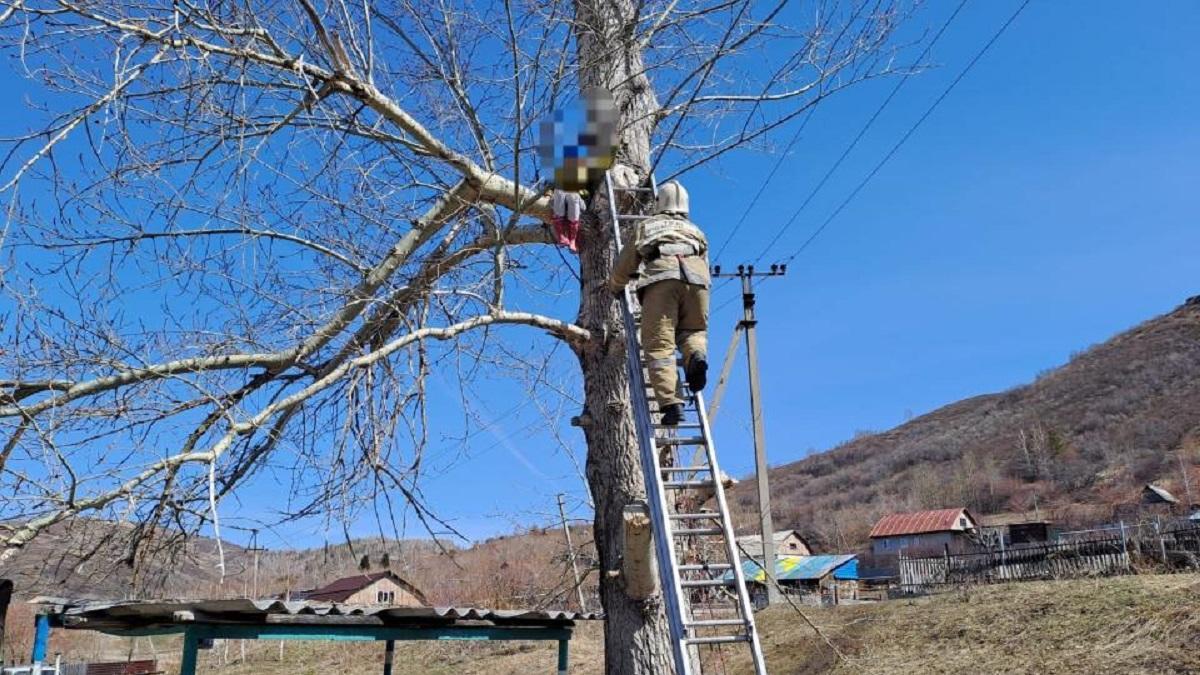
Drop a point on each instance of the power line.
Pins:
(906, 136)
(795, 137)
(762, 188)
(862, 132)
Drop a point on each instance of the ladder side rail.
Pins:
(664, 547)
(735, 558)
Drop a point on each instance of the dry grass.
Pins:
(1097, 429)
(415, 658)
(1128, 625)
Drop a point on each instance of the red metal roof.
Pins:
(921, 522)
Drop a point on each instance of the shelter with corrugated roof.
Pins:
(203, 621)
(1014, 529)
(831, 575)
(922, 530)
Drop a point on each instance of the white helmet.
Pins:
(672, 198)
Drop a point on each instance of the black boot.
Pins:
(672, 414)
(697, 373)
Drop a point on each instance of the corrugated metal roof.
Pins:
(847, 572)
(795, 567)
(778, 536)
(921, 522)
(751, 544)
(115, 616)
(1003, 519)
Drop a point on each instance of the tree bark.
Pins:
(636, 637)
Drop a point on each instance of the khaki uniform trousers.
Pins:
(674, 314)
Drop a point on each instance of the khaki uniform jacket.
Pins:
(663, 247)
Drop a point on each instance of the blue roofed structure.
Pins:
(803, 568)
(847, 571)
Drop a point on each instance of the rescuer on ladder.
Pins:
(668, 255)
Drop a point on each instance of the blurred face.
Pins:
(577, 141)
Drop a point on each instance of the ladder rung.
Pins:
(717, 639)
(681, 440)
(694, 516)
(682, 425)
(710, 567)
(686, 469)
(704, 623)
(624, 216)
(633, 189)
(685, 484)
(696, 531)
(698, 583)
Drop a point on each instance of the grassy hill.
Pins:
(1091, 432)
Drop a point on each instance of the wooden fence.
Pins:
(1065, 559)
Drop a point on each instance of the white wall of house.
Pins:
(384, 592)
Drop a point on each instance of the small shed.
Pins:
(1008, 529)
(832, 575)
(1153, 494)
(787, 542)
(921, 530)
(379, 588)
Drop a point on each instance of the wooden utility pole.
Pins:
(748, 326)
(562, 514)
(255, 549)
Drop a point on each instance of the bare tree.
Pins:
(241, 237)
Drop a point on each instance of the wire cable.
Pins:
(786, 151)
(903, 139)
(862, 132)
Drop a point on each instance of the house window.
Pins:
(962, 522)
(385, 597)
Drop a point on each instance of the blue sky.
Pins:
(1047, 204)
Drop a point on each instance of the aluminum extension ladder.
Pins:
(702, 607)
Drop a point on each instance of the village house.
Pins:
(377, 588)
(922, 531)
(787, 542)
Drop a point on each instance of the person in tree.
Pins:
(668, 255)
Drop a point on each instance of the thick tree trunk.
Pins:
(636, 636)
